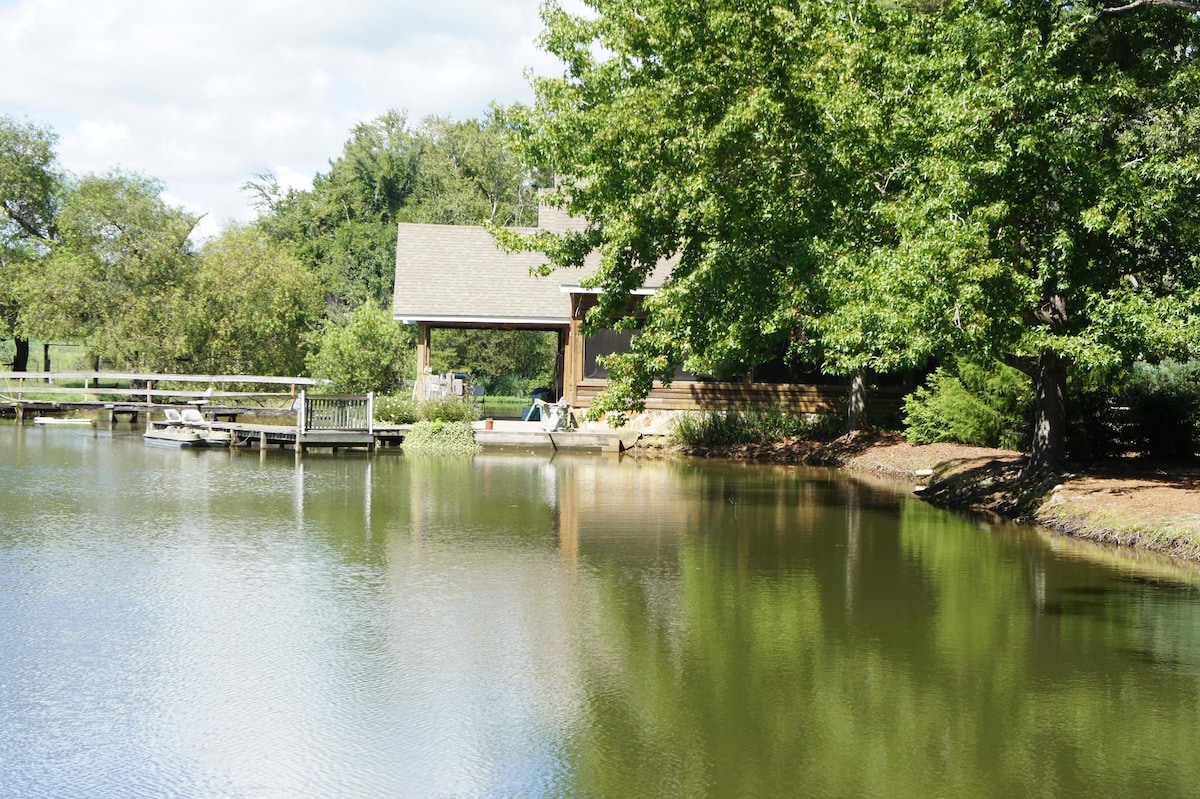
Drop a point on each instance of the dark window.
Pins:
(606, 342)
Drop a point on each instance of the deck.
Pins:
(264, 436)
(527, 436)
(306, 422)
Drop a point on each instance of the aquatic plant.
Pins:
(441, 438)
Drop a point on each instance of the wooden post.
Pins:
(560, 367)
(423, 343)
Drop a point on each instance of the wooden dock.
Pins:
(44, 393)
(532, 436)
(332, 422)
(306, 422)
(265, 436)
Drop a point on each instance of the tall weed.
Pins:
(755, 426)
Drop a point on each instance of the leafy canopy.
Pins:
(438, 172)
(872, 184)
(368, 351)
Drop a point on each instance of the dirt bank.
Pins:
(1128, 501)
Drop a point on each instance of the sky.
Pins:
(205, 95)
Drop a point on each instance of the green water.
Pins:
(199, 624)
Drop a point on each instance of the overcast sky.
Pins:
(204, 95)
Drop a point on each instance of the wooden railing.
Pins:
(336, 413)
(19, 384)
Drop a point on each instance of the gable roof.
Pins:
(456, 275)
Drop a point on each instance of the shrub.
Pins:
(1163, 402)
(756, 426)
(985, 405)
(712, 429)
(370, 351)
(395, 409)
(447, 409)
(441, 438)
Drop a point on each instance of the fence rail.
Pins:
(158, 376)
(336, 413)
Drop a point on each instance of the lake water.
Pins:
(210, 624)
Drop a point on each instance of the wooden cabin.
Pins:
(454, 276)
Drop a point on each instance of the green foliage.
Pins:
(440, 171)
(756, 426)
(1164, 409)
(30, 189)
(395, 409)
(867, 185)
(447, 409)
(983, 405)
(248, 308)
(441, 438)
(369, 351)
(116, 273)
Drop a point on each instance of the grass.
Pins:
(1178, 537)
(502, 406)
(63, 357)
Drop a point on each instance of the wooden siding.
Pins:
(790, 397)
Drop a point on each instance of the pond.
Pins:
(241, 624)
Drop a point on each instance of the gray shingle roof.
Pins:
(455, 274)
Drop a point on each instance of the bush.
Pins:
(1163, 402)
(395, 409)
(984, 405)
(756, 426)
(441, 438)
(447, 409)
(370, 351)
(712, 429)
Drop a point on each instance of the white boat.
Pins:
(181, 431)
(184, 437)
(54, 420)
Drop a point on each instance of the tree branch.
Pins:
(1180, 5)
(25, 224)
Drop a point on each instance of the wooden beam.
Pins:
(423, 344)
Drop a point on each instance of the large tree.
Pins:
(440, 171)
(247, 307)
(115, 273)
(871, 184)
(30, 185)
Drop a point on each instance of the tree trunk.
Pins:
(856, 408)
(1049, 450)
(21, 359)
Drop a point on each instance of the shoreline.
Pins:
(1127, 502)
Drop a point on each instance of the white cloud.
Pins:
(205, 95)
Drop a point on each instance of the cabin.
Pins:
(450, 276)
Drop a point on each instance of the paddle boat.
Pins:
(187, 430)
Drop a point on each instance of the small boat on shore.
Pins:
(55, 420)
